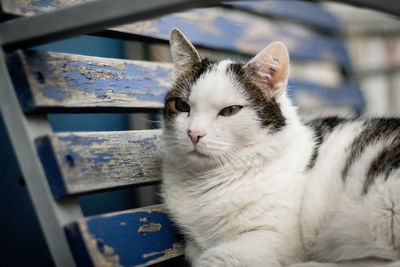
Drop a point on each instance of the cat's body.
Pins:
(250, 185)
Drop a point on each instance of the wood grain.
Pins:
(306, 13)
(35, 7)
(235, 31)
(56, 81)
(82, 162)
(139, 237)
(222, 29)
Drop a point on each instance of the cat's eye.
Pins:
(229, 111)
(181, 106)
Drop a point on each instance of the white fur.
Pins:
(244, 199)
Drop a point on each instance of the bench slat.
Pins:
(34, 7)
(137, 237)
(55, 82)
(311, 14)
(308, 95)
(228, 30)
(82, 162)
(241, 32)
(71, 83)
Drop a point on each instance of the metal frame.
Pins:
(23, 130)
(84, 19)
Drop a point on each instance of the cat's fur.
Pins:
(259, 187)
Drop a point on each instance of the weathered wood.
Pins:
(55, 82)
(311, 14)
(307, 95)
(82, 162)
(86, 19)
(222, 29)
(32, 7)
(232, 30)
(35, 7)
(302, 12)
(139, 237)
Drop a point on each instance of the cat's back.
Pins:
(356, 147)
(353, 188)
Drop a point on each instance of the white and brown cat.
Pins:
(249, 184)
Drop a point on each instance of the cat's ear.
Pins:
(269, 69)
(183, 52)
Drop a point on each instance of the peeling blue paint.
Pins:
(133, 80)
(146, 143)
(25, 10)
(224, 36)
(77, 140)
(130, 164)
(303, 12)
(103, 97)
(100, 157)
(89, 155)
(95, 166)
(43, 3)
(128, 242)
(97, 158)
(228, 33)
(139, 82)
(49, 92)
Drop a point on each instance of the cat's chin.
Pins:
(196, 153)
(199, 159)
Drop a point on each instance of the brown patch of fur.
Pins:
(375, 130)
(182, 87)
(268, 110)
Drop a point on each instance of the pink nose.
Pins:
(195, 136)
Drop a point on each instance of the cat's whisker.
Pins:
(265, 189)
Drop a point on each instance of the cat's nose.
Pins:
(195, 136)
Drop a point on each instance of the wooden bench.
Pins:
(58, 167)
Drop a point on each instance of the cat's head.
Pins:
(215, 110)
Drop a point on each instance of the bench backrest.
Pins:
(60, 166)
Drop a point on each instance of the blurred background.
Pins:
(368, 84)
(373, 41)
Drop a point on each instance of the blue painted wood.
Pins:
(36, 7)
(50, 166)
(77, 245)
(55, 82)
(236, 31)
(130, 238)
(308, 95)
(83, 162)
(302, 12)
(70, 83)
(20, 82)
(311, 14)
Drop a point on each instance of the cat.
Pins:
(249, 184)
